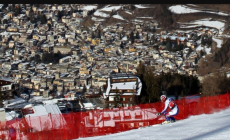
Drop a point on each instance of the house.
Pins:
(6, 86)
(84, 70)
(122, 89)
(62, 49)
(70, 94)
(2, 116)
(12, 29)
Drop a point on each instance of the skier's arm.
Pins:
(166, 106)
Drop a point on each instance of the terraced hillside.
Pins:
(168, 15)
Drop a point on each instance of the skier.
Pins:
(169, 102)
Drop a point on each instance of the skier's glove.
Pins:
(158, 114)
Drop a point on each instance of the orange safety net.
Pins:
(106, 121)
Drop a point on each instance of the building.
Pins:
(48, 113)
(122, 90)
(2, 115)
(6, 86)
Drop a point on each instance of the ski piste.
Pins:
(158, 125)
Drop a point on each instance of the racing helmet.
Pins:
(163, 98)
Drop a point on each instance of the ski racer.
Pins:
(169, 103)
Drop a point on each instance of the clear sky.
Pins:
(201, 127)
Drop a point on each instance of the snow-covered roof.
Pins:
(124, 85)
(11, 115)
(6, 79)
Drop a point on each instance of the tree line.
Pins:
(172, 83)
(48, 57)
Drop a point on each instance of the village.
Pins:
(86, 57)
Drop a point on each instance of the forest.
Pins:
(171, 83)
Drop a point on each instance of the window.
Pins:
(130, 99)
(123, 98)
(117, 98)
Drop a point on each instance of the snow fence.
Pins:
(107, 121)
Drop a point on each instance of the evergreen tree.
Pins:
(132, 7)
(153, 88)
(137, 35)
(99, 33)
(132, 37)
(5, 21)
(116, 99)
(169, 46)
(43, 19)
(93, 35)
(17, 10)
(49, 26)
(84, 89)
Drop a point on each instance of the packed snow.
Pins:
(140, 6)
(218, 41)
(118, 17)
(182, 9)
(100, 14)
(110, 8)
(207, 50)
(97, 19)
(145, 17)
(205, 22)
(203, 127)
(128, 12)
(89, 7)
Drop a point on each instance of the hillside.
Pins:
(159, 12)
(173, 17)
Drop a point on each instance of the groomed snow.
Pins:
(201, 127)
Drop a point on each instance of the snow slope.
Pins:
(201, 127)
(183, 9)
